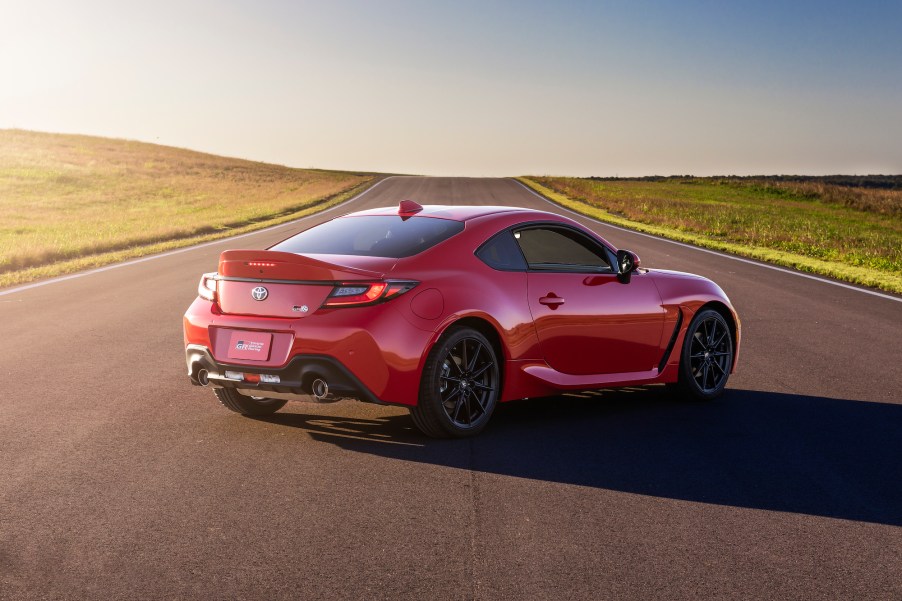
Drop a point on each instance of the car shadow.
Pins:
(783, 452)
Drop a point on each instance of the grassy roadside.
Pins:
(24, 276)
(780, 227)
(69, 203)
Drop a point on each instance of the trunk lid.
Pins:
(280, 284)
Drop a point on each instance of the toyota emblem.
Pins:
(259, 293)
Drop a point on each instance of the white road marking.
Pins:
(82, 274)
(712, 252)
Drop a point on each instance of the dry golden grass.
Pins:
(65, 197)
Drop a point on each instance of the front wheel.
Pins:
(460, 386)
(707, 357)
(233, 400)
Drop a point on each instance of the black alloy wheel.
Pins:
(707, 356)
(460, 386)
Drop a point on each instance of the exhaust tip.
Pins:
(203, 377)
(320, 389)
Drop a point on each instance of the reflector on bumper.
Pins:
(244, 377)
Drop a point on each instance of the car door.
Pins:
(588, 320)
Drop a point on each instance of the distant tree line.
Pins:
(882, 182)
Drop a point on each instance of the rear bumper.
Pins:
(369, 353)
(296, 377)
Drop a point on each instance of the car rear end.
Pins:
(315, 326)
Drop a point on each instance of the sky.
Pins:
(471, 88)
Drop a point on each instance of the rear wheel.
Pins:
(233, 400)
(707, 357)
(460, 386)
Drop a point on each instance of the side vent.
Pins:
(673, 339)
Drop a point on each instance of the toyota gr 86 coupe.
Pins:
(449, 310)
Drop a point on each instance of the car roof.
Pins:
(452, 212)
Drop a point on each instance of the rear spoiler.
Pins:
(276, 265)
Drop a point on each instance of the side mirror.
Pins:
(627, 263)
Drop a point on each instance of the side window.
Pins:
(501, 253)
(561, 249)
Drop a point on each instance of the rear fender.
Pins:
(511, 386)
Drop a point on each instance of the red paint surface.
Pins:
(282, 300)
(603, 326)
(606, 332)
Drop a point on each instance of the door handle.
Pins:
(552, 300)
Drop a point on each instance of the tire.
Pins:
(460, 386)
(233, 400)
(706, 357)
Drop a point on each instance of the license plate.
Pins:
(250, 345)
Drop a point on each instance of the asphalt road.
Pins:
(118, 480)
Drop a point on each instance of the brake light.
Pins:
(260, 264)
(355, 294)
(206, 289)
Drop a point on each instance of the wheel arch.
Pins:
(484, 327)
(731, 320)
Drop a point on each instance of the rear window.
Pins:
(372, 236)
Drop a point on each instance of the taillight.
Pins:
(355, 294)
(206, 289)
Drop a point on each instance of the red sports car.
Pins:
(449, 310)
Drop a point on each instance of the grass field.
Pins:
(70, 202)
(849, 232)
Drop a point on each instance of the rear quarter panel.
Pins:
(470, 288)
